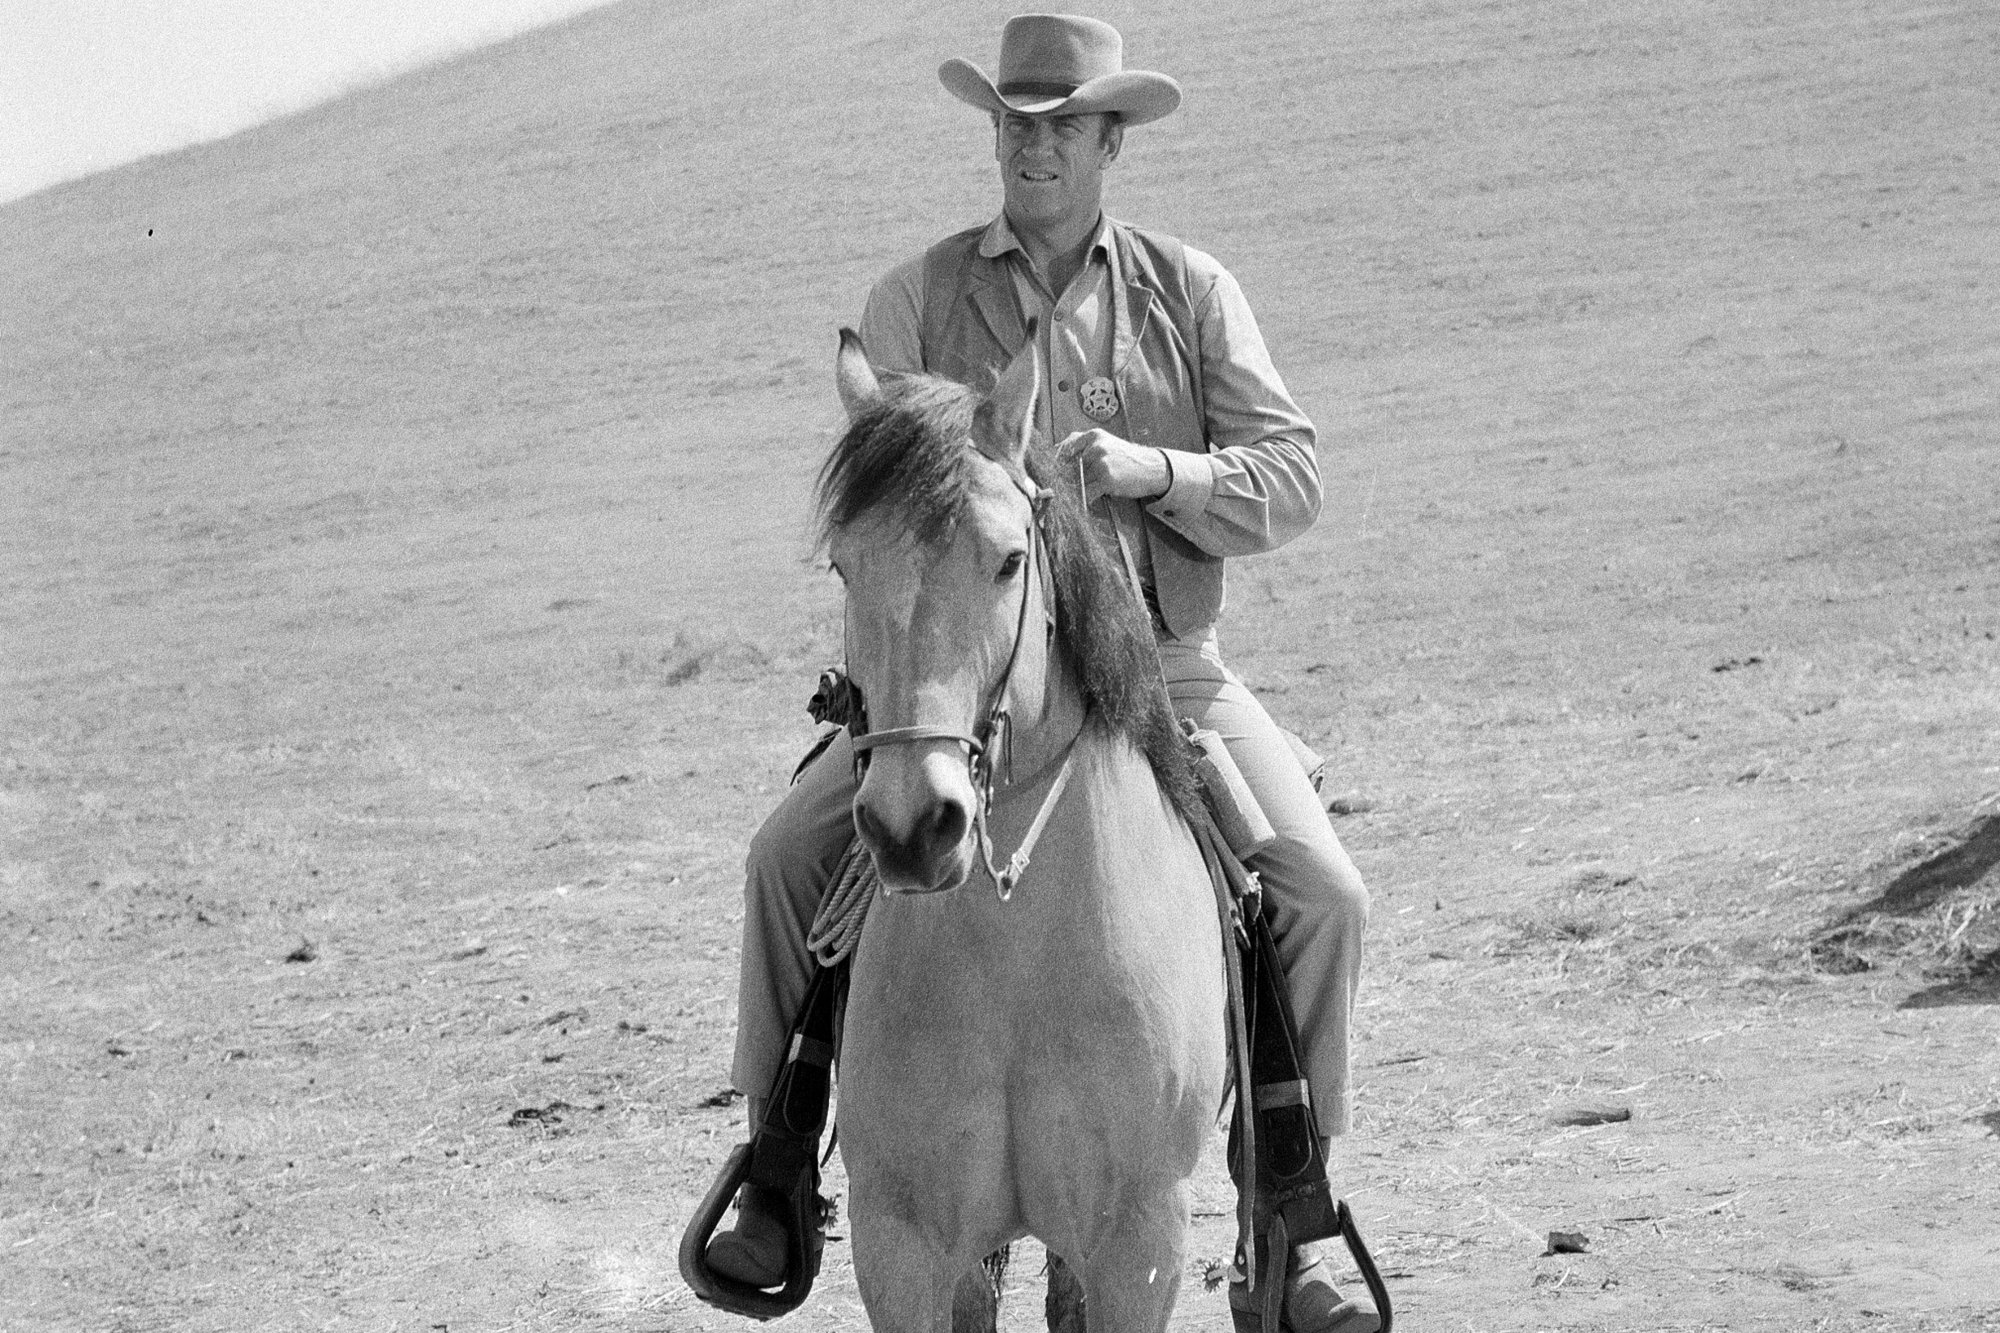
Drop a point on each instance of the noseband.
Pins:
(994, 735)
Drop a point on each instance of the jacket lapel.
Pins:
(1129, 324)
(1132, 303)
(992, 296)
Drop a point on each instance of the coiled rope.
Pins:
(836, 928)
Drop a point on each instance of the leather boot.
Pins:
(1312, 1303)
(754, 1250)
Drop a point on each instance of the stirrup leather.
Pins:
(1283, 1198)
(1292, 1201)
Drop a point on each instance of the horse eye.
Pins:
(1011, 566)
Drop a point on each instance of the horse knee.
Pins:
(902, 1278)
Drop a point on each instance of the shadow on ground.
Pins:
(1942, 913)
(1929, 882)
(1980, 986)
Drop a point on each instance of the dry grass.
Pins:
(401, 550)
(1940, 912)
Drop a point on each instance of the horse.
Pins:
(1045, 1058)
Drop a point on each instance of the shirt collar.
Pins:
(999, 238)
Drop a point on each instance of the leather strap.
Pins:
(868, 740)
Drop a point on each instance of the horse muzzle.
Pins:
(921, 839)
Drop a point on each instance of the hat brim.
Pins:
(1137, 95)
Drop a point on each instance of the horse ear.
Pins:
(853, 376)
(1006, 419)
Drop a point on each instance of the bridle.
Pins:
(994, 736)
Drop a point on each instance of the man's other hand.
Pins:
(1115, 466)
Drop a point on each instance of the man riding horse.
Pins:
(1156, 381)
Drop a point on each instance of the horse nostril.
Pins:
(948, 824)
(869, 827)
(922, 853)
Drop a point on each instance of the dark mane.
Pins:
(1108, 641)
(910, 447)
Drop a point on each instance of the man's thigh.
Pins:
(1308, 858)
(811, 827)
(1202, 688)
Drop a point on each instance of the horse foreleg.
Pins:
(1130, 1302)
(909, 1287)
(975, 1305)
(1132, 1273)
(904, 1284)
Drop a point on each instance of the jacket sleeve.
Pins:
(892, 325)
(1258, 486)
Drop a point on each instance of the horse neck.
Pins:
(1041, 741)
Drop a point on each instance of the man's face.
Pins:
(1052, 167)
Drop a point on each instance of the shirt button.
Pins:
(1059, 316)
(1063, 385)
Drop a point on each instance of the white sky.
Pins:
(89, 84)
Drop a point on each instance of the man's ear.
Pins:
(853, 376)
(1003, 423)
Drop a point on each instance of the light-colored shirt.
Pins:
(1242, 496)
(1256, 486)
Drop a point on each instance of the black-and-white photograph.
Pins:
(917, 668)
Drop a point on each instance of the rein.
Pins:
(994, 737)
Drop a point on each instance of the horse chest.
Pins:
(1102, 965)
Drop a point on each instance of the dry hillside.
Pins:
(405, 617)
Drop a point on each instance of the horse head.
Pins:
(931, 521)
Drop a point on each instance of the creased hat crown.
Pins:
(1058, 64)
(1052, 55)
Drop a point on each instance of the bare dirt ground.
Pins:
(404, 625)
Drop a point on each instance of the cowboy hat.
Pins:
(1062, 64)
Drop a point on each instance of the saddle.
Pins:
(1284, 1198)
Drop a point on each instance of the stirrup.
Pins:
(1248, 1314)
(805, 1242)
(782, 1155)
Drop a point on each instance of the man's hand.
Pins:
(1115, 466)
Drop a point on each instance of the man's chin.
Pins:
(1036, 203)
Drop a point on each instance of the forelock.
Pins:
(907, 451)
